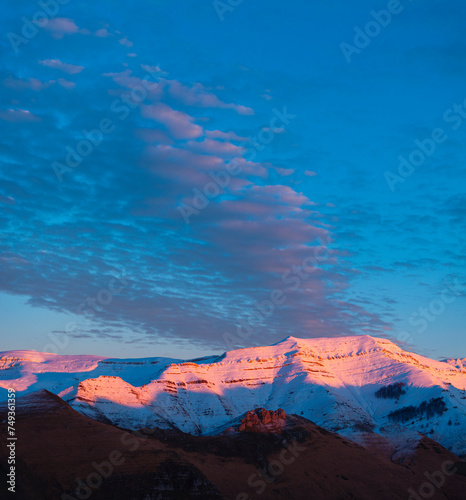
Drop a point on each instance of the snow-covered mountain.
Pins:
(356, 386)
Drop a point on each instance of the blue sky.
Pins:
(182, 181)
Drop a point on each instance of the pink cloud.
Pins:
(103, 33)
(152, 69)
(18, 116)
(310, 173)
(60, 26)
(71, 69)
(249, 208)
(198, 96)
(126, 42)
(281, 194)
(168, 161)
(251, 168)
(153, 136)
(7, 199)
(119, 75)
(67, 84)
(150, 83)
(228, 136)
(210, 146)
(274, 236)
(242, 110)
(180, 125)
(20, 84)
(283, 172)
(265, 230)
(35, 84)
(272, 232)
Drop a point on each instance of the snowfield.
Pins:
(331, 381)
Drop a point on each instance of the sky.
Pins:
(184, 180)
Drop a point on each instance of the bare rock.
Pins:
(260, 419)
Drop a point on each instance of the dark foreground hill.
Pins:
(62, 454)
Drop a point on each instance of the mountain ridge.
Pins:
(333, 382)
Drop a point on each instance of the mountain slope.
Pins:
(61, 450)
(338, 383)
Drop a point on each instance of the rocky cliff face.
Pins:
(262, 420)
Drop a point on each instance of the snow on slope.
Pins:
(29, 371)
(458, 363)
(331, 381)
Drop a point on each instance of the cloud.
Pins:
(102, 33)
(7, 199)
(179, 124)
(251, 168)
(149, 83)
(226, 136)
(189, 284)
(22, 84)
(153, 136)
(60, 26)
(284, 172)
(176, 163)
(152, 69)
(126, 42)
(217, 148)
(18, 116)
(67, 84)
(71, 69)
(197, 95)
(310, 173)
(19, 84)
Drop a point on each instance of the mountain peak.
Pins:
(344, 384)
(342, 345)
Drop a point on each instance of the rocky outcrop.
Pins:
(261, 419)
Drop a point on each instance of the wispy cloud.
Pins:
(71, 69)
(18, 116)
(198, 95)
